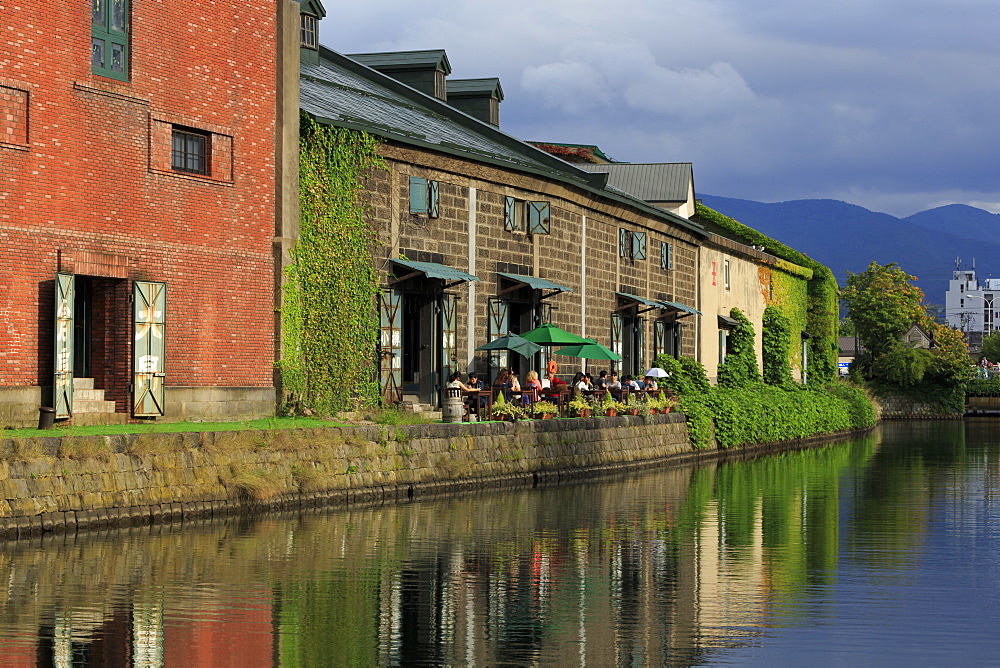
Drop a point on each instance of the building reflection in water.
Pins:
(664, 567)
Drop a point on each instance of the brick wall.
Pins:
(85, 165)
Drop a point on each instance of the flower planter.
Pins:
(611, 412)
(633, 411)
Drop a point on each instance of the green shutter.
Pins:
(449, 334)
(63, 379)
(149, 305)
(624, 242)
(616, 334)
(638, 245)
(418, 195)
(666, 255)
(498, 326)
(639, 359)
(390, 346)
(659, 337)
(538, 218)
(509, 214)
(433, 199)
(544, 317)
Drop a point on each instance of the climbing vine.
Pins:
(740, 367)
(821, 292)
(776, 340)
(329, 327)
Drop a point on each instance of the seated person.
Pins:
(633, 383)
(475, 403)
(455, 381)
(651, 383)
(501, 384)
(602, 381)
(531, 382)
(613, 382)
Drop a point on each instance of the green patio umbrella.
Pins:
(592, 350)
(550, 335)
(513, 342)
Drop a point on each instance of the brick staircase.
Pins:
(90, 407)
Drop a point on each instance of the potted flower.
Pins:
(544, 409)
(633, 405)
(612, 407)
(507, 410)
(580, 406)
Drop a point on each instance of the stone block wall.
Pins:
(49, 484)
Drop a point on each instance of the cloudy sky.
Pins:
(889, 104)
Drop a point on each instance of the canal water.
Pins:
(882, 550)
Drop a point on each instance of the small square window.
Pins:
(308, 31)
(189, 151)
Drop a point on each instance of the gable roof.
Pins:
(475, 87)
(435, 59)
(343, 92)
(652, 182)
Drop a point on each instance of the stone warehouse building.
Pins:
(483, 234)
(138, 198)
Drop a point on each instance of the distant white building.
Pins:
(970, 305)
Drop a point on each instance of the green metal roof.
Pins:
(475, 87)
(435, 59)
(682, 307)
(639, 300)
(535, 282)
(343, 92)
(435, 270)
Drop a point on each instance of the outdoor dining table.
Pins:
(483, 403)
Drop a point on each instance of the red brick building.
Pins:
(138, 201)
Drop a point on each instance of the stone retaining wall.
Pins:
(52, 484)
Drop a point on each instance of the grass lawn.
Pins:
(173, 427)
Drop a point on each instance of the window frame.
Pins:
(726, 274)
(425, 197)
(102, 30)
(527, 216)
(308, 27)
(205, 156)
(666, 255)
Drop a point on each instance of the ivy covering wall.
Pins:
(813, 292)
(329, 327)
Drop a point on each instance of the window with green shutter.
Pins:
(424, 197)
(638, 245)
(666, 255)
(109, 52)
(538, 218)
(418, 195)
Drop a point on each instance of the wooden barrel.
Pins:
(453, 409)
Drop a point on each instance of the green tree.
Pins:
(883, 305)
(991, 347)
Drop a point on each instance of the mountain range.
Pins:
(847, 237)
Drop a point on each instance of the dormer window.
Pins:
(308, 31)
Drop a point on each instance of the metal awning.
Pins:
(683, 308)
(631, 300)
(532, 282)
(433, 270)
(726, 322)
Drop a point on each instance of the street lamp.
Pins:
(989, 306)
